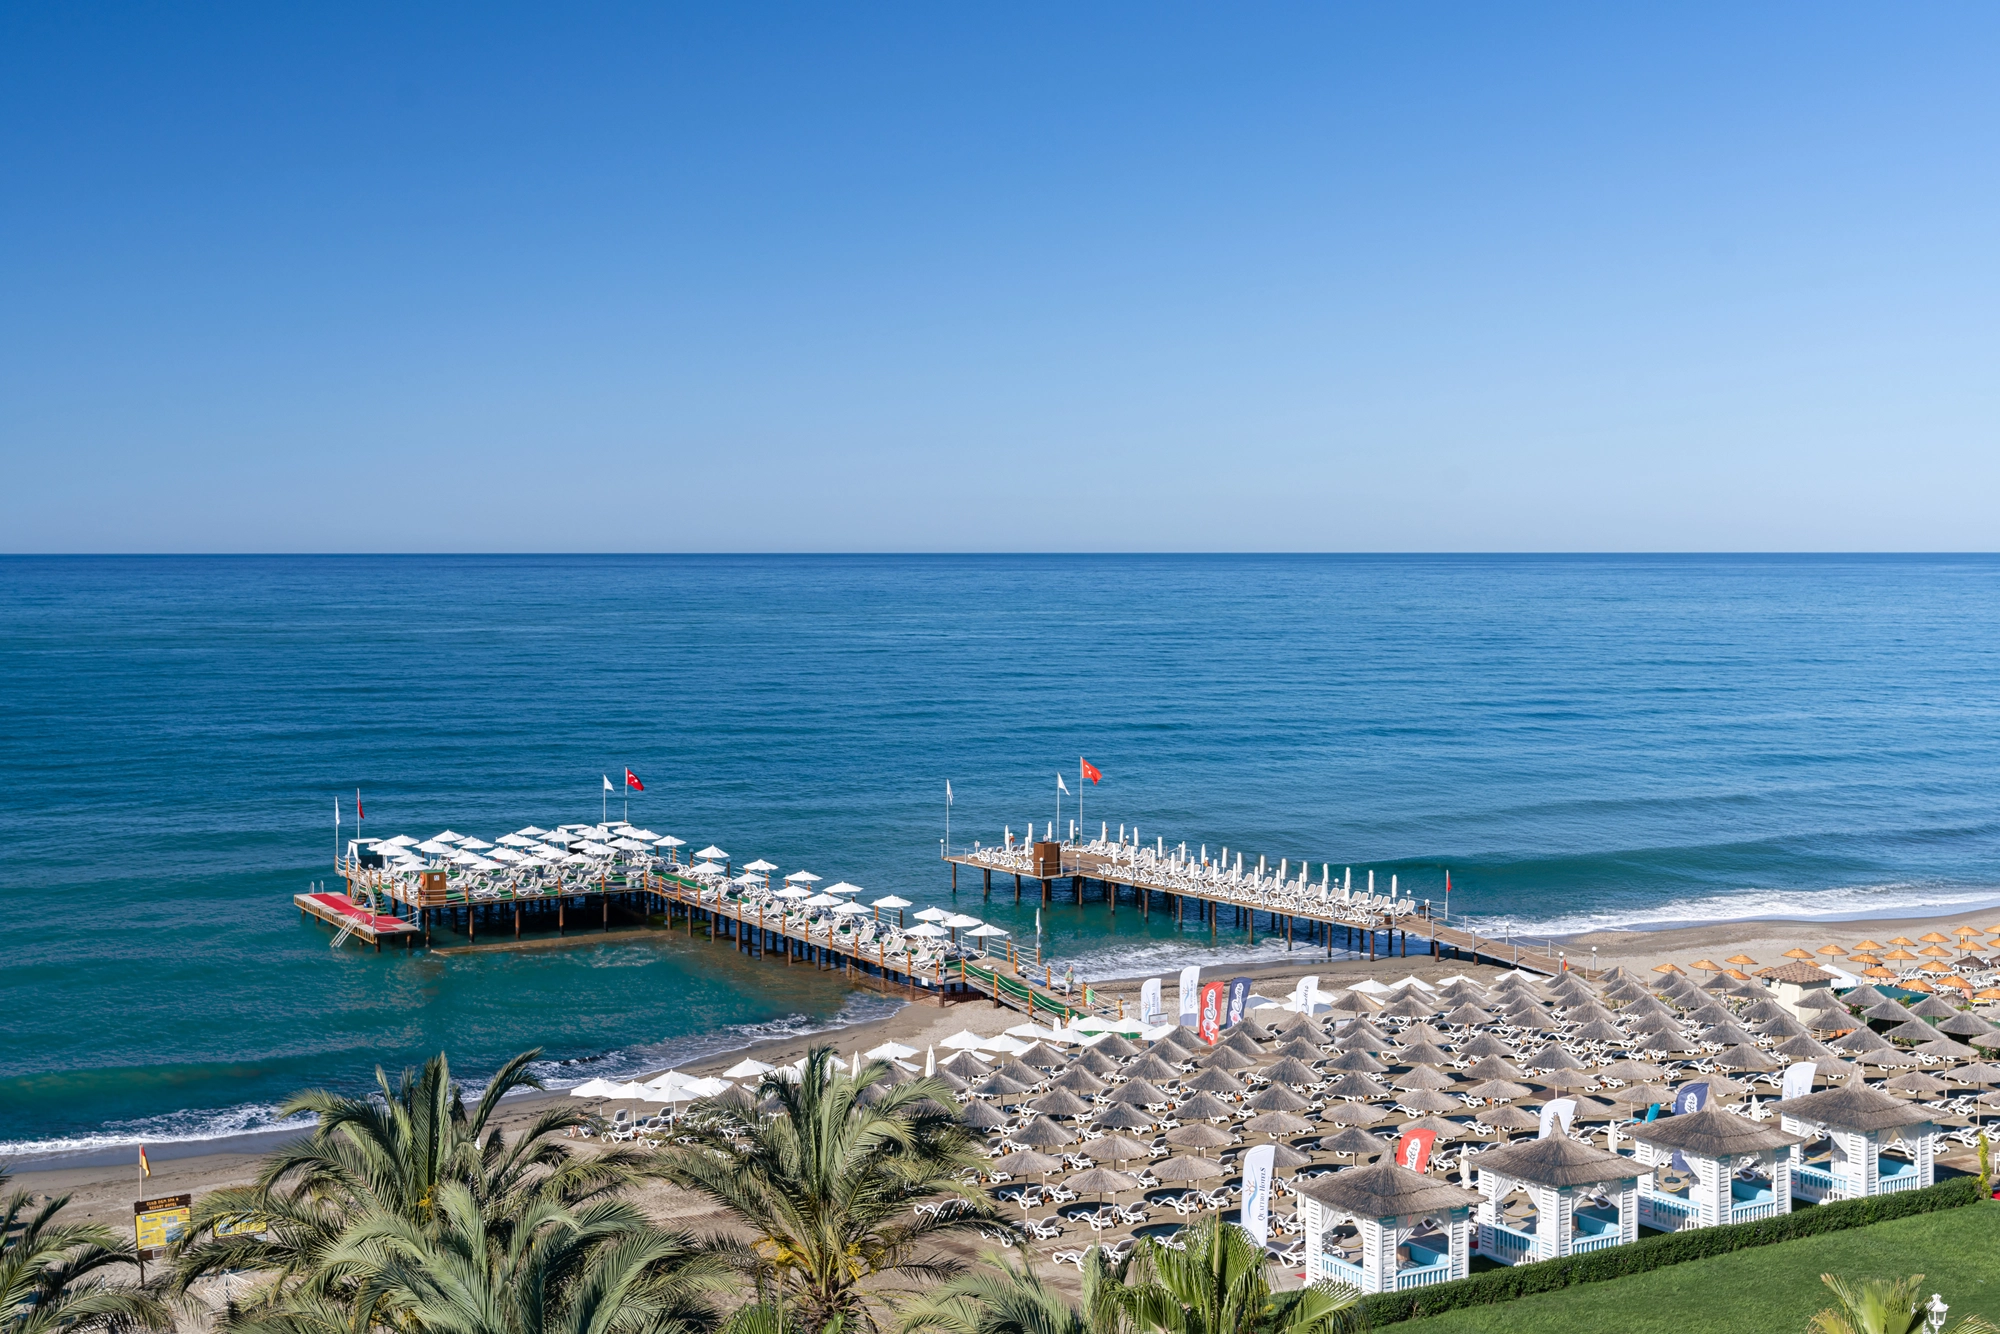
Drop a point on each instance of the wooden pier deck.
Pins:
(1323, 924)
(354, 920)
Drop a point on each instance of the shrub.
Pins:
(1502, 1285)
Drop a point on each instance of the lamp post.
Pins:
(1934, 1312)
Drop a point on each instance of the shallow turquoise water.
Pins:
(1582, 741)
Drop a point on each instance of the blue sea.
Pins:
(1580, 741)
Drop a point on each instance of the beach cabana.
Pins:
(1583, 1198)
(1737, 1170)
(1857, 1121)
(1791, 983)
(1384, 1228)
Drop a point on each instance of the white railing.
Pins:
(1887, 1184)
(1499, 1242)
(1581, 1245)
(1422, 1276)
(1750, 1213)
(1340, 1271)
(1667, 1213)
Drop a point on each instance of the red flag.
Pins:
(1413, 1150)
(632, 781)
(1209, 1026)
(1090, 770)
(359, 814)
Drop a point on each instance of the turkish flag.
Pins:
(632, 781)
(1089, 770)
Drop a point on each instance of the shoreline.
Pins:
(104, 1180)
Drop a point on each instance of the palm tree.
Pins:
(549, 1269)
(53, 1277)
(1212, 1281)
(388, 1157)
(828, 1186)
(1007, 1298)
(1883, 1306)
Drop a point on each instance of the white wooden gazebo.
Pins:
(1383, 1228)
(1716, 1146)
(1584, 1199)
(1858, 1121)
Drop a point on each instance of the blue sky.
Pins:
(1099, 277)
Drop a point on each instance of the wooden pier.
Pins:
(1315, 924)
(663, 901)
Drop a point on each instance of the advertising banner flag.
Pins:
(1690, 1097)
(1257, 1168)
(1561, 1110)
(1303, 993)
(1208, 1022)
(1413, 1150)
(1150, 1009)
(1798, 1079)
(1239, 996)
(1190, 989)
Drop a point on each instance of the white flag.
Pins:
(1798, 1079)
(607, 784)
(1150, 1008)
(336, 812)
(1190, 985)
(1061, 786)
(1562, 1109)
(1256, 1214)
(947, 792)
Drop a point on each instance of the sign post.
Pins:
(158, 1224)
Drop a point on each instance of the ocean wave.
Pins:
(182, 1127)
(198, 1125)
(1166, 957)
(1846, 903)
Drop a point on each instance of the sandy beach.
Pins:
(104, 1193)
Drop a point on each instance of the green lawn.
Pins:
(1767, 1289)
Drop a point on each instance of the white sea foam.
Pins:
(1847, 903)
(195, 1126)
